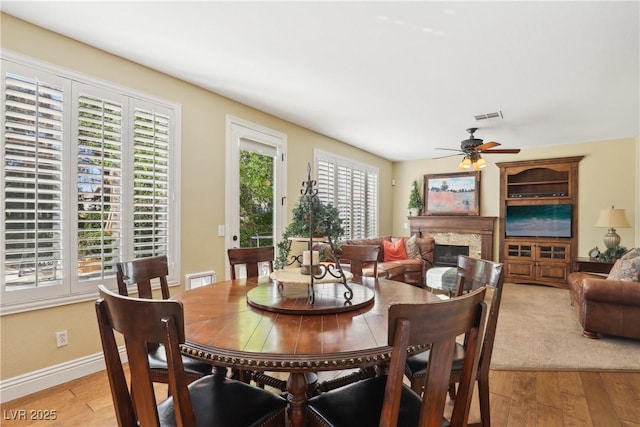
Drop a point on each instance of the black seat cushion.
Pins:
(158, 361)
(417, 364)
(214, 399)
(360, 403)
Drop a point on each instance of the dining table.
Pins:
(284, 332)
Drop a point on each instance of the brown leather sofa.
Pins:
(412, 270)
(604, 306)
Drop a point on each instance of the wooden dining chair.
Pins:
(360, 256)
(252, 259)
(472, 273)
(212, 400)
(384, 400)
(140, 273)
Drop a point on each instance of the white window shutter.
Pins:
(32, 181)
(151, 183)
(99, 185)
(353, 189)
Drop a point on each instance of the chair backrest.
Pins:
(140, 272)
(142, 321)
(359, 256)
(437, 324)
(483, 273)
(252, 258)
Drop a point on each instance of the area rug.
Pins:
(538, 330)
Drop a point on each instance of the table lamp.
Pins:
(611, 218)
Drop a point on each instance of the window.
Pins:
(87, 181)
(351, 187)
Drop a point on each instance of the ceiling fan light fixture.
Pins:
(465, 163)
(480, 163)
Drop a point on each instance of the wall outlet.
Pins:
(62, 339)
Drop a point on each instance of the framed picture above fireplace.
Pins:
(452, 193)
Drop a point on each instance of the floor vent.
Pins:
(196, 280)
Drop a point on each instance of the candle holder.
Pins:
(310, 262)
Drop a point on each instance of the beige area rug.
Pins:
(538, 330)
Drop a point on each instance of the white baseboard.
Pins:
(31, 382)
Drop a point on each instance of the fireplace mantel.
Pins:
(481, 225)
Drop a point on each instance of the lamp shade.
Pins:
(613, 218)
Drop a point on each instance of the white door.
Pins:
(255, 185)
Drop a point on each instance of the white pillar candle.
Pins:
(308, 258)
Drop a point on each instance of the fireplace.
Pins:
(474, 232)
(447, 255)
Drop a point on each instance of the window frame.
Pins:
(71, 290)
(320, 155)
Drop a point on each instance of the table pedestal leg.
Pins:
(297, 397)
(219, 371)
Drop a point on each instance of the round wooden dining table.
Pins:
(221, 328)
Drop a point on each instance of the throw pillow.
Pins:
(394, 251)
(626, 268)
(411, 245)
(635, 252)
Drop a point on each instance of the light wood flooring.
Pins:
(518, 399)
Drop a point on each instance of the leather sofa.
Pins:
(411, 270)
(605, 306)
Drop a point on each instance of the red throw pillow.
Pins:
(394, 251)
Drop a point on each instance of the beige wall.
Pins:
(608, 175)
(28, 339)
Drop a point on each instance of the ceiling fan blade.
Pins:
(503, 151)
(451, 149)
(444, 157)
(487, 145)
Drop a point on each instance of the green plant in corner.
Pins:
(326, 222)
(415, 200)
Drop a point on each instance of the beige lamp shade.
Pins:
(612, 218)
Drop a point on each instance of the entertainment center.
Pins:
(539, 212)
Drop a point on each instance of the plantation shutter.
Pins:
(353, 189)
(325, 173)
(33, 179)
(151, 182)
(99, 185)
(372, 204)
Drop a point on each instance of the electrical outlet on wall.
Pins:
(62, 338)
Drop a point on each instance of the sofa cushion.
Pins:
(409, 265)
(394, 251)
(411, 245)
(626, 268)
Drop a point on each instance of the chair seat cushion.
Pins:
(192, 367)
(360, 403)
(214, 399)
(416, 365)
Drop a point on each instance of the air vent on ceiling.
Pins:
(489, 116)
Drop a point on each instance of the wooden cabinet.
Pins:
(537, 262)
(539, 219)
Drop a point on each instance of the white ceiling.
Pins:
(394, 78)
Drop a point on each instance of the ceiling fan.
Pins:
(472, 147)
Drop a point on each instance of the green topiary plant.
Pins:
(326, 222)
(415, 201)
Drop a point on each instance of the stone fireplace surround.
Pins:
(476, 232)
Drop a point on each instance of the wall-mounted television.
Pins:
(538, 221)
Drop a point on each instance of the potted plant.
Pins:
(415, 201)
(326, 222)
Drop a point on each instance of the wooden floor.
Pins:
(518, 399)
